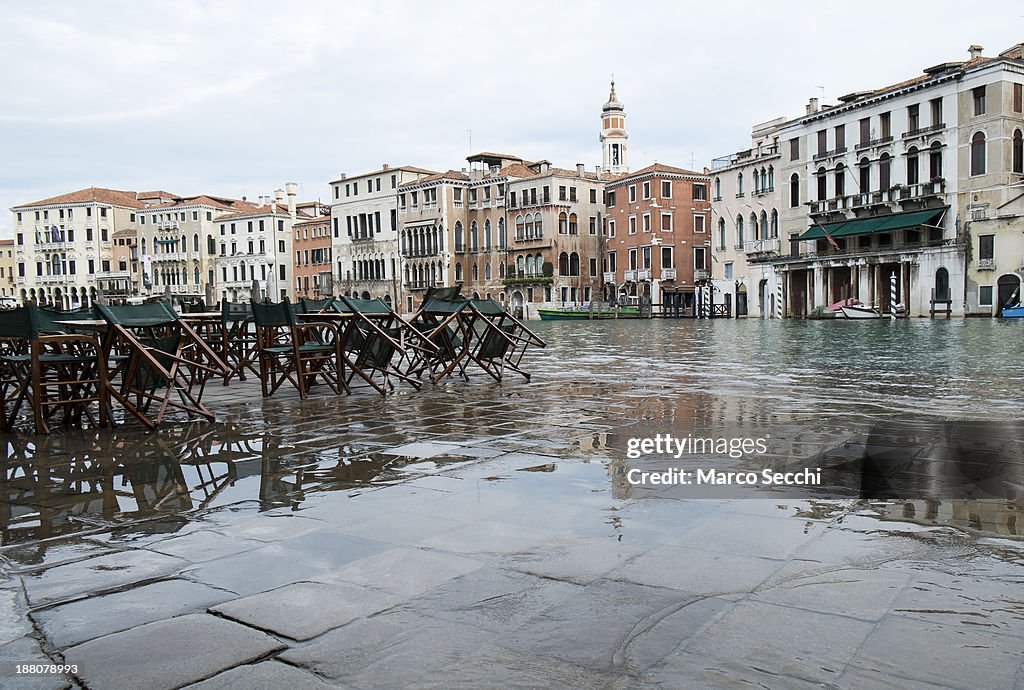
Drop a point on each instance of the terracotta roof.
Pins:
(450, 175)
(516, 170)
(90, 195)
(654, 169)
(6, 242)
(127, 232)
(158, 194)
(254, 211)
(205, 200)
(313, 221)
(489, 154)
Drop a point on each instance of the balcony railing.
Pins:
(829, 154)
(920, 131)
(643, 274)
(113, 275)
(630, 275)
(701, 274)
(668, 274)
(878, 141)
(985, 264)
(765, 246)
(609, 277)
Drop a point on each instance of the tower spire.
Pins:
(613, 134)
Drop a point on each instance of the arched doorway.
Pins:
(941, 285)
(365, 295)
(517, 304)
(765, 297)
(1009, 290)
(741, 300)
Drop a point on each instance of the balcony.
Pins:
(834, 205)
(609, 277)
(922, 189)
(872, 143)
(922, 131)
(985, 264)
(113, 275)
(830, 154)
(701, 274)
(420, 253)
(630, 275)
(668, 274)
(643, 274)
(765, 246)
(170, 256)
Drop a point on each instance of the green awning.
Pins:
(867, 226)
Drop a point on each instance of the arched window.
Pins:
(476, 273)
(474, 239)
(912, 167)
(563, 264)
(563, 223)
(521, 266)
(487, 271)
(574, 228)
(757, 182)
(935, 161)
(822, 184)
(501, 233)
(978, 154)
(195, 274)
(771, 178)
(865, 175)
(211, 245)
(718, 188)
(143, 246)
(520, 228)
(1018, 152)
(721, 233)
(794, 190)
(763, 226)
(754, 234)
(775, 224)
(195, 243)
(458, 236)
(529, 226)
(739, 232)
(884, 172)
(538, 225)
(739, 184)
(487, 235)
(501, 269)
(574, 264)
(458, 271)
(840, 180)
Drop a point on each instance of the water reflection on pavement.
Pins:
(482, 535)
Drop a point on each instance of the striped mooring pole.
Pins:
(778, 296)
(892, 296)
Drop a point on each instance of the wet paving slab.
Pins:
(474, 534)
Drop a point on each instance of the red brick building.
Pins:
(313, 264)
(656, 231)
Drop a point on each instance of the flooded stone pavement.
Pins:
(480, 535)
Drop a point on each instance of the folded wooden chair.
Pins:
(500, 340)
(162, 362)
(237, 340)
(444, 320)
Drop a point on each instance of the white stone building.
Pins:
(364, 224)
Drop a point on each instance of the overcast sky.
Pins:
(236, 98)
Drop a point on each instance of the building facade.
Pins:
(364, 228)
(745, 204)
(658, 243)
(7, 269)
(65, 243)
(314, 264)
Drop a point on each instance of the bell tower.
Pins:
(613, 135)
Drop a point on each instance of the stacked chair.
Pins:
(52, 372)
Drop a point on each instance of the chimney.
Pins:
(385, 167)
(544, 168)
(812, 106)
(975, 51)
(342, 176)
(292, 190)
(579, 170)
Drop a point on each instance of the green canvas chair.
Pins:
(500, 340)
(53, 373)
(300, 352)
(443, 320)
(162, 362)
(237, 340)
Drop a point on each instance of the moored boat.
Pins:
(859, 311)
(1014, 312)
(584, 312)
